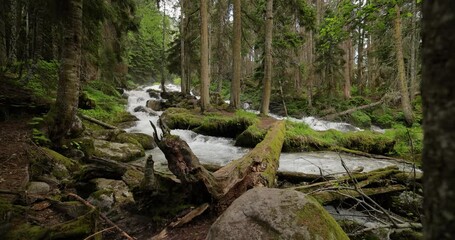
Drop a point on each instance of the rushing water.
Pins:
(217, 150)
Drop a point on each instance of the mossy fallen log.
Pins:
(327, 196)
(256, 168)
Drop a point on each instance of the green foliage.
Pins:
(360, 119)
(38, 136)
(43, 82)
(145, 52)
(409, 141)
(110, 107)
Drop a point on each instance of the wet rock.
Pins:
(154, 93)
(145, 110)
(155, 105)
(123, 152)
(38, 188)
(264, 213)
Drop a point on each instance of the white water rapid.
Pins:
(219, 151)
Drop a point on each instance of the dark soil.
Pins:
(15, 154)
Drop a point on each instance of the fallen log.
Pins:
(96, 121)
(256, 168)
(335, 115)
(329, 195)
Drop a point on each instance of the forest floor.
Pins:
(16, 153)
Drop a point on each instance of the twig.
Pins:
(392, 219)
(99, 232)
(77, 197)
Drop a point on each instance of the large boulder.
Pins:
(264, 213)
(155, 105)
(123, 152)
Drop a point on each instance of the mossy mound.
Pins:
(251, 136)
(139, 139)
(360, 119)
(212, 124)
(53, 163)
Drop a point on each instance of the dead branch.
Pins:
(335, 115)
(96, 121)
(102, 216)
(190, 216)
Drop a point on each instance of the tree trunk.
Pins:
(405, 103)
(267, 82)
(205, 80)
(163, 53)
(413, 60)
(65, 108)
(236, 54)
(183, 82)
(347, 71)
(438, 88)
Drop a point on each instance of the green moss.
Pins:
(69, 163)
(213, 124)
(318, 220)
(110, 107)
(360, 119)
(251, 136)
(27, 231)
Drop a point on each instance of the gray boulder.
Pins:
(38, 188)
(264, 213)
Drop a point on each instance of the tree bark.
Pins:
(347, 71)
(438, 88)
(267, 82)
(183, 83)
(66, 103)
(236, 54)
(205, 80)
(413, 60)
(405, 102)
(256, 168)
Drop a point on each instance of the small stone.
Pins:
(38, 188)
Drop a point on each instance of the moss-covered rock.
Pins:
(141, 139)
(49, 162)
(123, 152)
(264, 213)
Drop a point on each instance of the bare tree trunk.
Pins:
(267, 83)
(347, 72)
(185, 89)
(438, 111)
(414, 39)
(66, 104)
(205, 80)
(405, 103)
(236, 55)
(163, 54)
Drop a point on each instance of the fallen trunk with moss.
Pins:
(256, 168)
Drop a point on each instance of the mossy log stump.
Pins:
(256, 168)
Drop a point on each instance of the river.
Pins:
(219, 151)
